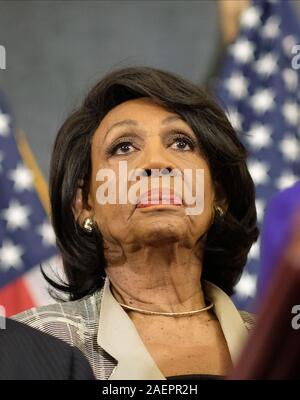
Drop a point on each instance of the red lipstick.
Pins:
(159, 197)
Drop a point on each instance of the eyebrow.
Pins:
(132, 122)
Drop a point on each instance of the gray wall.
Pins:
(57, 50)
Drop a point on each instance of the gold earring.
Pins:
(219, 211)
(88, 225)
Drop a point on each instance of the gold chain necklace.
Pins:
(180, 314)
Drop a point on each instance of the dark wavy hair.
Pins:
(229, 238)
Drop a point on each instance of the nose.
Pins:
(163, 171)
(156, 157)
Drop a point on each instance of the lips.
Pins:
(159, 197)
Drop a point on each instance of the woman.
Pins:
(149, 284)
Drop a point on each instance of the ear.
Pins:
(79, 209)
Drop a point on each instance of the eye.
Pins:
(182, 143)
(121, 148)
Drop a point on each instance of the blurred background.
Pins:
(56, 50)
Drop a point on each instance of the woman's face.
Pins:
(148, 141)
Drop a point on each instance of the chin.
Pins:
(158, 233)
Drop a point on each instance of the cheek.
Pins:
(203, 186)
(202, 221)
(209, 194)
(109, 214)
(112, 218)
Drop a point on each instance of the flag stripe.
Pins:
(37, 286)
(15, 297)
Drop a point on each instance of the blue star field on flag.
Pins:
(259, 88)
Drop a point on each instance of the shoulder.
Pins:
(76, 323)
(70, 321)
(248, 318)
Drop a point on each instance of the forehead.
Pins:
(138, 109)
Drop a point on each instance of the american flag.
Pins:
(259, 87)
(26, 237)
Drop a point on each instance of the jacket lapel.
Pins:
(118, 336)
(232, 324)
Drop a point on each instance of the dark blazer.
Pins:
(26, 353)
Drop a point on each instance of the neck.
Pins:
(162, 279)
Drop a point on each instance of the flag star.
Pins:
(22, 178)
(290, 148)
(250, 17)
(286, 179)
(16, 215)
(266, 65)
(1, 159)
(262, 100)
(259, 171)
(4, 124)
(10, 256)
(237, 85)
(271, 28)
(288, 43)
(259, 136)
(290, 78)
(235, 118)
(260, 208)
(47, 233)
(290, 111)
(246, 286)
(242, 50)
